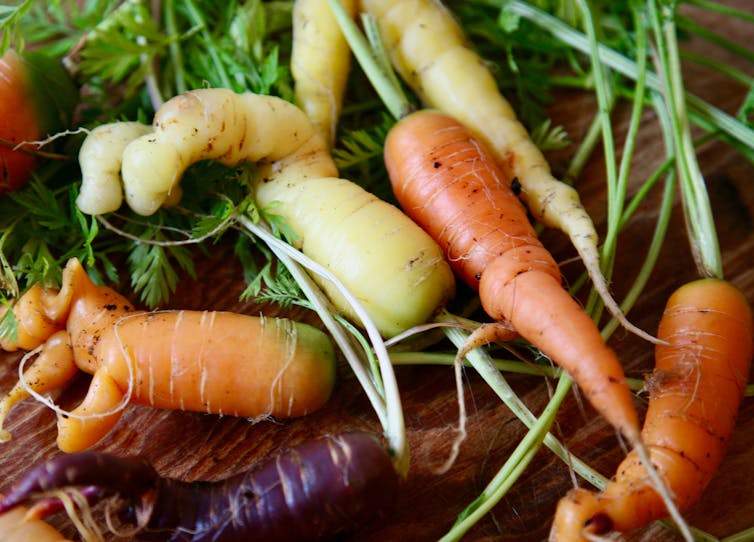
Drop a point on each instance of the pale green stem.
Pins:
(699, 218)
(718, 7)
(663, 220)
(380, 78)
(393, 421)
(176, 55)
(513, 468)
(621, 64)
(585, 149)
(615, 222)
(482, 363)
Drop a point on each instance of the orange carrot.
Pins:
(15, 526)
(37, 99)
(214, 362)
(451, 185)
(695, 391)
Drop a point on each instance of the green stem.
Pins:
(386, 401)
(614, 198)
(692, 26)
(699, 218)
(661, 227)
(197, 19)
(718, 7)
(616, 222)
(585, 149)
(513, 468)
(742, 536)
(482, 363)
(729, 71)
(176, 54)
(383, 83)
(504, 365)
(625, 66)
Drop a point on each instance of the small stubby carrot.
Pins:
(37, 99)
(451, 185)
(15, 526)
(363, 240)
(320, 63)
(315, 491)
(431, 52)
(204, 361)
(694, 396)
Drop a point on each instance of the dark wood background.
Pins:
(196, 446)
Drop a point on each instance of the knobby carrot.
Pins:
(695, 391)
(450, 184)
(364, 241)
(214, 362)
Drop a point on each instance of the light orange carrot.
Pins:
(16, 527)
(695, 391)
(446, 180)
(214, 362)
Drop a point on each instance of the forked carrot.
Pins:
(695, 391)
(203, 361)
(451, 185)
(431, 52)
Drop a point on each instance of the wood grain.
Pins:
(195, 446)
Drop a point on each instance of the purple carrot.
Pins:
(311, 492)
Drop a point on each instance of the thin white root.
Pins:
(49, 403)
(482, 335)
(80, 514)
(461, 429)
(46, 141)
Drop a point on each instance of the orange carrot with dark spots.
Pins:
(695, 391)
(450, 184)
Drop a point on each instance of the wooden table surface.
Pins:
(196, 446)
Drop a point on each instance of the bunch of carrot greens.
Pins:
(130, 57)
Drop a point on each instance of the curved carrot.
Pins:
(214, 362)
(695, 391)
(337, 223)
(448, 182)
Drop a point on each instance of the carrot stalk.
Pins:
(699, 220)
(703, 112)
(384, 395)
